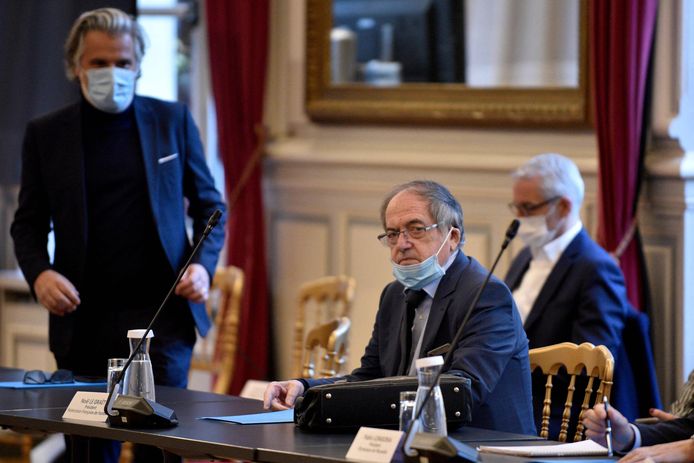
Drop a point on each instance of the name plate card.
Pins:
(87, 406)
(374, 445)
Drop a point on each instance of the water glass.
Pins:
(407, 405)
(115, 366)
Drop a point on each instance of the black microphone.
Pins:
(510, 234)
(138, 412)
(214, 220)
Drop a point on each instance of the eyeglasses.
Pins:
(524, 209)
(413, 232)
(39, 377)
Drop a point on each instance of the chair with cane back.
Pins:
(595, 362)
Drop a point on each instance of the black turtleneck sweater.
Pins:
(126, 268)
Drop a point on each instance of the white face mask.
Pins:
(419, 275)
(533, 231)
(109, 89)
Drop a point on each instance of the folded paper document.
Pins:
(23, 385)
(282, 416)
(574, 449)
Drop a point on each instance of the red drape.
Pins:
(238, 39)
(621, 38)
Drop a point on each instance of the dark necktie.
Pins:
(413, 298)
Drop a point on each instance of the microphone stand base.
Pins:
(434, 449)
(138, 412)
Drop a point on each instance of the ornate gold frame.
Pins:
(435, 104)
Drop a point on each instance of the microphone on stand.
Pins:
(463, 451)
(138, 412)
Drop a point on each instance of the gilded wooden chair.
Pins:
(321, 302)
(325, 351)
(215, 353)
(595, 362)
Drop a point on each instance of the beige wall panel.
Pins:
(24, 332)
(26, 346)
(31, 353)
(299, 252)
(477, 242)
(369, 263)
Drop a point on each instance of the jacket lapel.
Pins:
(146, 126)
(442, 300)
(556, 276)
(71, 161)
(518, 268)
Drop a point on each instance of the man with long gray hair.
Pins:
(111, 175)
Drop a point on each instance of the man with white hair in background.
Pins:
(566, 287)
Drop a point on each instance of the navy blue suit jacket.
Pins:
(53, 191)
(584, 300)
(667, 431)
(493, 351)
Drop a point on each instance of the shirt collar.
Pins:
(553, 250)
(431, 288)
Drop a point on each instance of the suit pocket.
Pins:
(167, 158)
(170, 176)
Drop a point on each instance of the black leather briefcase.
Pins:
(375, 403)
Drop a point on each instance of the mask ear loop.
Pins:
(552, 210)
(461, 242)
(444, 240)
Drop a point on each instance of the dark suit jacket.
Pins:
(666, 431)
(635, 389)
(493, 351)
(53, 190)
(584, 300)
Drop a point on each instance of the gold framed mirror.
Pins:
(445, 104)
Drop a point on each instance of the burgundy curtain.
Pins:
(238, 39)
(621, 39)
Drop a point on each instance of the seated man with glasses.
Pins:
(566, 286)
(422, 310)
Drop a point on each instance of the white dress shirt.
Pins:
(541, 265)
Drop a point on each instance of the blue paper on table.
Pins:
(578, 460)
(22, 385)
(281, 416)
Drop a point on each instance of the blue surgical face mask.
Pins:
(110, 89)
(419, 275)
